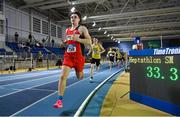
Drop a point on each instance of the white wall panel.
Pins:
(11, 31)
(2, 17)
(39, 36)
(12, 18)
(25, 22)
(2, 37)
(19, 21)
(25, 34)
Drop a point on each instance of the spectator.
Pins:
(16, 35)
(20, 45)
(27, 44)
(27, 48)
(40, 59)
(59, 62)
(43, 41)
(52, 42)
(30, 38)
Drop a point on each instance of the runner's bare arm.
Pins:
(90, 50)
(87, 37)
(102, 48)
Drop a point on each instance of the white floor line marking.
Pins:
(42, 99)
(29, 73)
(46, 97)
(39, 90)
(26, 89)
(25, 77)
(31, 80)
(72, 73)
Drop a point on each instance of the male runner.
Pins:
(76, 36)
(96, 49)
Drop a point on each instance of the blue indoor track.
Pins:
(34, 93)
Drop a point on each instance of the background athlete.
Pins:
(96, 49)
(111, 56)
(118, 57)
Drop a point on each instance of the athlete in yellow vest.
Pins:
(112, 56)
(124, 57)
(118, 57)
(96, 49)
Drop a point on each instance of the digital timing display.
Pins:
(157, 76)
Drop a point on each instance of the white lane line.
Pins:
(84, 104)
(30, 80)
(46, 97)
(72, 73)
(37, 73)
(55, 71)
(26, 89)
(43, 99)
(40, 90)
(25, 76)
(29, 73)
(31, 105)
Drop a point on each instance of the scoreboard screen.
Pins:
(156, 74)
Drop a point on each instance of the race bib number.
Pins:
(71, 48)
(95, 51)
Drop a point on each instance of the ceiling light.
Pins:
(73, 9)
(94, 24)
(84, 18)
(105, 32)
